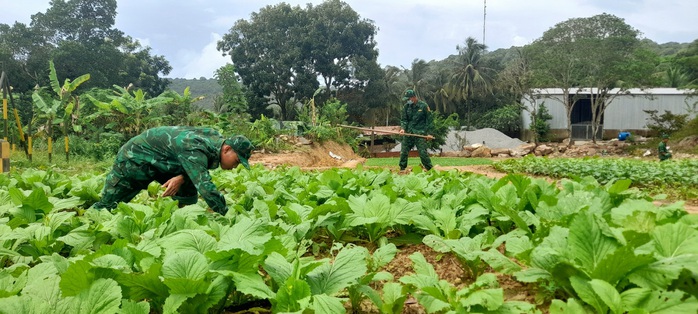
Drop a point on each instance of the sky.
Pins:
(185, 32)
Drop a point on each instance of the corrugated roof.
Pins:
(631, 91)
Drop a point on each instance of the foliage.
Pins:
(79, 35)
(640, 173)
(233, 97)
(127, 112)
(541, 127)
(687, 60)
(597, 247)
(666, 123)
(208, 89)
(505, 119)
(280, 52)
(471, 76)
(442, 125)
(67, 104)
(600, 52)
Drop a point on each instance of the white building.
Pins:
(624, 113)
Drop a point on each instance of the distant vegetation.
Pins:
(208, 88)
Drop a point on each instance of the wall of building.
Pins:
(625, 113)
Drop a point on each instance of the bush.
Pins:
(665, 123)
(504, 119)
(541, 127)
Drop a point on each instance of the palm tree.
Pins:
(469, 76)
(396, 88)
(417, 75)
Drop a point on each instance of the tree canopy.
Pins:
(80, 37)
(281, 52)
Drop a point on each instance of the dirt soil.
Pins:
(311, 157)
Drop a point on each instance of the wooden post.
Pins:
(5, 154)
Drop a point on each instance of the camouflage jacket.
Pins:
(169, 151)
(417, 118)
(663, 152)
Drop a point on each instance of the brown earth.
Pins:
(311, 157)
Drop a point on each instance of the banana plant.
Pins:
(66, 101)
(130, 111)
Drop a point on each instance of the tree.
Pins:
(233, 98)
(470, 75)
(79, 36)
(266, 53)
(517, 78)
(687, 60)
(614, 61)
(600, 55)
(417, 76)
(557, 61)
(68, 103)
(336, 37)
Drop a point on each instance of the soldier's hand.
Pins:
(402, 131)
(172, 185)
(430, 137)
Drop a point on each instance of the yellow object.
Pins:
(29, 145)
(19, 126)
(50, 145)
(4, 108)
(5, 153)
(66, 144)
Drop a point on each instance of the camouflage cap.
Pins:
(243, 147)
(408, 94)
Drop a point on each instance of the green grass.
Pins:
(77, 164)
(414, 161)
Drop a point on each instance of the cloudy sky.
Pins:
(186, 31)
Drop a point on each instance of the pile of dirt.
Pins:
(314, 155)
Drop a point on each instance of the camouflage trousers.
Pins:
(407, 143)
(127, 179)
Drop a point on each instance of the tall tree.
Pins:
(417, 76)
(600, 55)
(615, 59)
(267, 56)
(79, 35)
(556, 62)
(336, 37)
(517, 78)
(470, 76)
(687, 61)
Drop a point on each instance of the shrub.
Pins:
(665, 123)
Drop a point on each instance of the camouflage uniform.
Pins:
(165, 152)
(417, 119)
(662, 150)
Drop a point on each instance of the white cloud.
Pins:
(185, 32)
(202, 63)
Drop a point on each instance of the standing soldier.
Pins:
(416, 119)
(179, 158)
(663, 150)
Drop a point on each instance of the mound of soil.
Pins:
(313, 156)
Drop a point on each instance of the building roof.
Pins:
(631, 91)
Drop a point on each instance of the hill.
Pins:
(209, 88)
